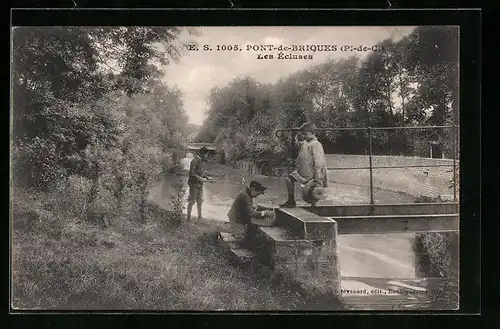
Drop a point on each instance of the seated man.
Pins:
(245, 217)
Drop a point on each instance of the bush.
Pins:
(36, 164)
(177, 200)
(69, 198)
(436, 256)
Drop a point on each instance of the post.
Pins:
(370, 159)
(454, 165)
(293, 144)
(293, 135)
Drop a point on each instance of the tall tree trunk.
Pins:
(440, 113)
(389, 94)
(368, 116)
(403, 98)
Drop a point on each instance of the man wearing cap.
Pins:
(195, 182)
(244, 216)
(311, 167)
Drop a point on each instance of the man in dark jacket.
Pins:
(195, 182)
(244, 216)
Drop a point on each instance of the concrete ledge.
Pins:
(304, 224)
(244, 255)
(227, 237)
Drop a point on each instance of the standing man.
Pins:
(245, 217)
(311, 166)
(195, 182)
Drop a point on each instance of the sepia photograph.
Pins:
(235, 168)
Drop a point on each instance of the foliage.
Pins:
(91, 105)
(413, 81)
(247, 105)
(62, 80)
(437, 257)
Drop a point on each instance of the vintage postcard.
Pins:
(240, 168)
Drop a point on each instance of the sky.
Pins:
(198, 71)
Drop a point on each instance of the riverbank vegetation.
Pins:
(413, 81)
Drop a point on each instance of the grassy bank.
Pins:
(61, 263)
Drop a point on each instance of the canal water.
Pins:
(370, 255)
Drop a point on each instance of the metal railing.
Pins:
(280, 132)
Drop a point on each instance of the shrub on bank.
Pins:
(436, 256)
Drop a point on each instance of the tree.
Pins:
(434, 59)
(241, 120)
(60, 74)
(404, 79)
(413, 81)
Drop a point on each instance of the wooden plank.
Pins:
(397, 216)
(395, 224)
(386, 209)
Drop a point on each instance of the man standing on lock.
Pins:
(311, 170)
